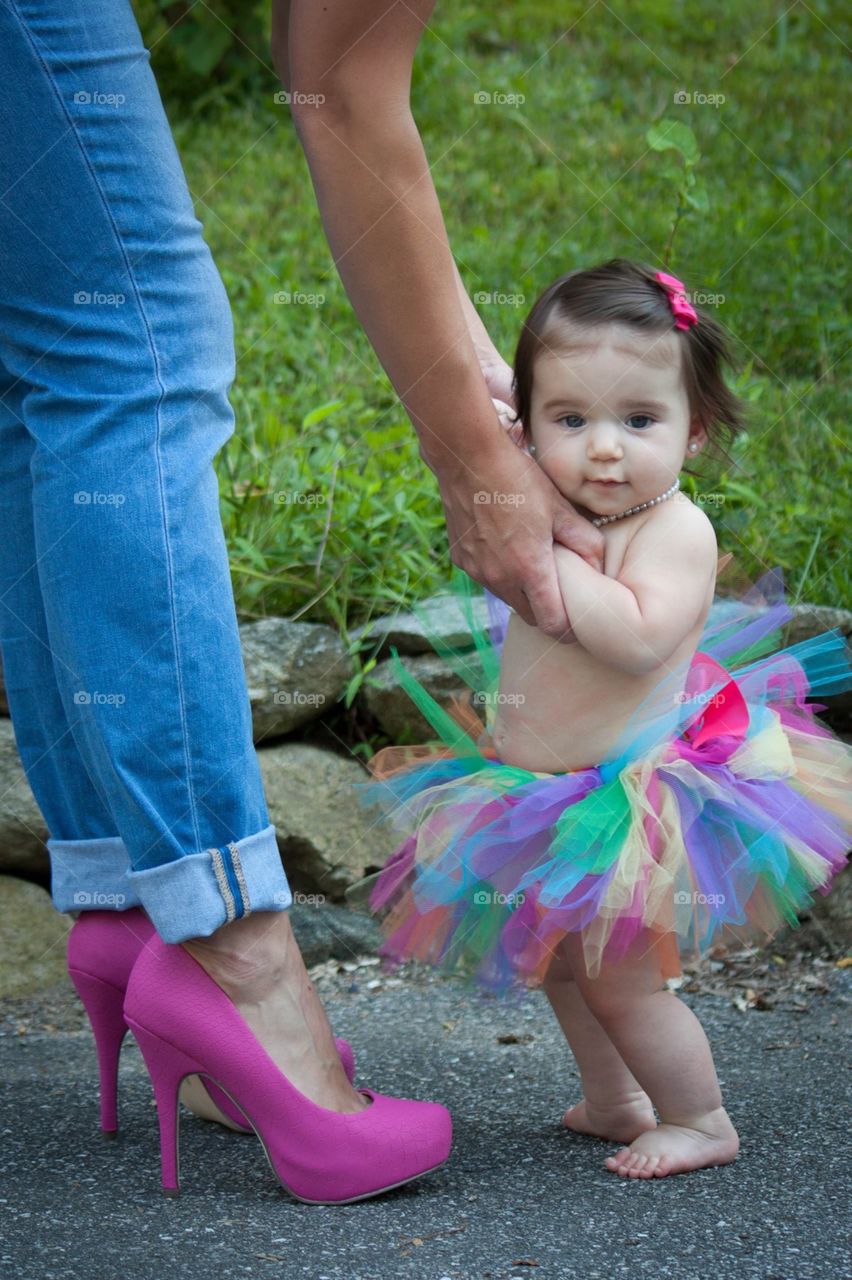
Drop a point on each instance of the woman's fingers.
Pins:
(501, 527)
(580, 535)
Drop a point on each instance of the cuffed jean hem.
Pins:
(91, 875)
(195, 895)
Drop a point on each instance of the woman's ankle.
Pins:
(258, 948)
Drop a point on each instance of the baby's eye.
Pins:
(567, 419)
(644, 418)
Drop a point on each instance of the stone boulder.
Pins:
(811, 620)
(327, 932)
(406, 631)
(32, 939)
(384, 698)
(830, 916)
(23, 832)
(327, 840)
(294, 672)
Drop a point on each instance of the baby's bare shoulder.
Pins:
(676, 533)
(679, 518)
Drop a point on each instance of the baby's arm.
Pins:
(636, 621)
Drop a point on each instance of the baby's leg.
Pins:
(613, 1105)
(664, 1045)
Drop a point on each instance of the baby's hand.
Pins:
(498, 379)
(514, 429)
(635, 621)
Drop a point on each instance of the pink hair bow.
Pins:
(684, 312)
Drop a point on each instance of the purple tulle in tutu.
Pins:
(725, 803)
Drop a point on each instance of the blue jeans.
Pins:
(118, 630)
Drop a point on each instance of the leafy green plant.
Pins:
(674, 135)
(202, 53)
(326, 521)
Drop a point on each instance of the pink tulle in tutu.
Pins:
(730, 807)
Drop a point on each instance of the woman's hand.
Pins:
(502, 520)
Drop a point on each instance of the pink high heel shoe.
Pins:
(186, 1025)
(103, 947)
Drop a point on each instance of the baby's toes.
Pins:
(623, 1162)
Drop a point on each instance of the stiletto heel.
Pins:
(167, 1067)
(186, 1025)
(104, 1005)
(103, 947)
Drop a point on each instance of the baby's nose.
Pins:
(604, 442)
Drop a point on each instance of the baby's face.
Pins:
(613, 408)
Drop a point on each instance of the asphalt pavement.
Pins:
(519, 1199)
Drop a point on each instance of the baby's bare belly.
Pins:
(560, 708)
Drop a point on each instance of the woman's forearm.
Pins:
(384, 225)
(486, 352)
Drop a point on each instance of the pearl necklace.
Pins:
(652, 502)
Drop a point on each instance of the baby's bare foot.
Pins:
(676, 1148)
(620, 1121)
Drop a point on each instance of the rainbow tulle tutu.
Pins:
(724, 806)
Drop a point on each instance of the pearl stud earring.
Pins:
(693, 447)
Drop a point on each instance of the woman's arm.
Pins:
(497, 372)
(349, 69)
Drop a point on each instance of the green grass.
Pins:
(529, 192)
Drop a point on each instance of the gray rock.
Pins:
(830, 916)
(23, 831)
(32, 939)
(405, 630)
(326, 932)
(327, 840)
(384, 697)
(294, 671)
(811, 620)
